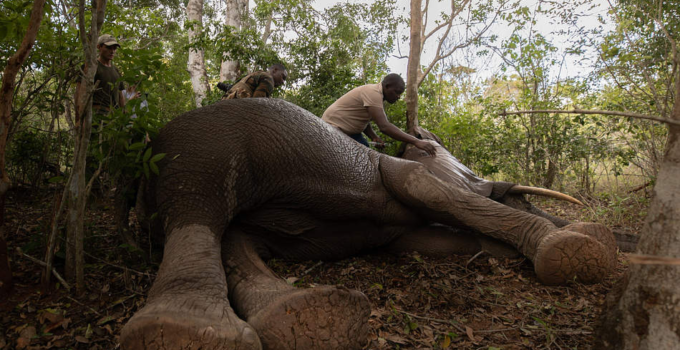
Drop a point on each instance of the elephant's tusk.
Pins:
(519, 189)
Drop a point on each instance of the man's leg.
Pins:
(359, 138)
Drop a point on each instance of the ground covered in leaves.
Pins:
(461, 302)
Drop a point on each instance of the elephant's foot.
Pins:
(171, 325)
(314, 318)
(581, 252)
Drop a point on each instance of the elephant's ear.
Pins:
(422, 134)
(425, 134)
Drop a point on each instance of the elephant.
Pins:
(245, 180)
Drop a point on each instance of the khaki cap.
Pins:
(108, 40)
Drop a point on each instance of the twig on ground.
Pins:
(496, 330)
(81, 304)
(474, 257)
(311, 268)
(454, 323)
(54, 271)
(114, 265)
(572, 331)
(466, 296)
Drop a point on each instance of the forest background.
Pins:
(488, 58)
(333, 50)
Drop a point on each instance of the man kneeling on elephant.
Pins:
(353, 112)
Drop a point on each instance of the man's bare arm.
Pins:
(369, 132)
(380, 119)
(121, 99)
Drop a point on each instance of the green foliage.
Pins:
(245, 46)
(14, 18)
(639, 65)
(334, 51)
(32, 154)
(157, 66)
(123, 141)
(328, 52)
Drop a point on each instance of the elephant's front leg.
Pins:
(286, 317)
(586, 252)
(188, 306)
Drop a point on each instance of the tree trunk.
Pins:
(196, 62)
(413, 66)
(550, 175)
(76, 194)
(6, 94)
(643, 313)
(236, 11)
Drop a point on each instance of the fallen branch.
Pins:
(451, 322)
(496, 330)
(54, 271)
(311, 268)
(474, 257)
(641, 259)
(455, 325)
(571, 331)
(584, 111)
(640, 187)
(147, 274)
(81, 304)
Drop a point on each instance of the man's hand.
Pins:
(379, 143)
(427, 147)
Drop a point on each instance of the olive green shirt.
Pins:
(108, 86)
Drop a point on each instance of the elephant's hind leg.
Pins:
(188, 306)
(559, 255)
(286, 317)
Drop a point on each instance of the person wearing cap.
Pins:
(352, 113)
(256, 84)
(108, 93)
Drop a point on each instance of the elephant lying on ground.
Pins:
(253, 178)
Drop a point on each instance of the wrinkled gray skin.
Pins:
(249, 179)
(449, 169)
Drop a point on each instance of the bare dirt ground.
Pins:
(460, 302)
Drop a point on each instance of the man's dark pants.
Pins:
(359, 138)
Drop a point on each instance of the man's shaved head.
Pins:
(393, 79)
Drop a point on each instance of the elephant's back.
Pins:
(284, 153)
(251, 120)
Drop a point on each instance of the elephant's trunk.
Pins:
(519, 189)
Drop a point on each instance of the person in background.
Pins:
(108, 93)
(353, 112)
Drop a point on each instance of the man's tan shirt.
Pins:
(350, 112)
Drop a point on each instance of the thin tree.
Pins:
(76, 188)
(446, 44)
(642, 311)
(235, 12)
(6, 94)
(413, 68)
(196, 61)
